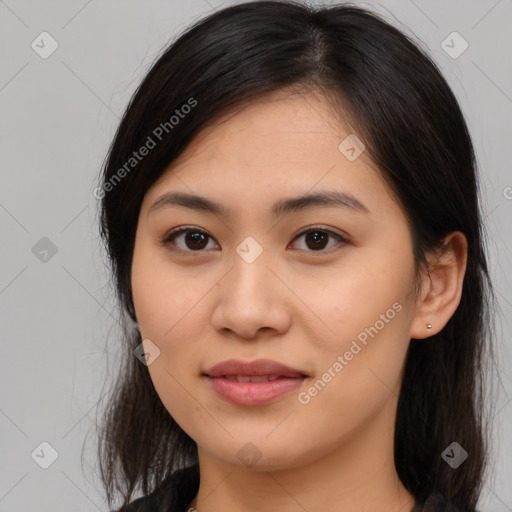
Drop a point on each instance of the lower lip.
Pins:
(253, 393)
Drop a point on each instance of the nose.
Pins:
(251, 300)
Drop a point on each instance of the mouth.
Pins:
(251, 378)
(255, 368)
(253, 383)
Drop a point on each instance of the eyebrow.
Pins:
(279, 208)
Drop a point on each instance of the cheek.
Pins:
(171, 313)
(368, 310)
(360, 372)
(370, 295)
(167, 311)
(162, 295)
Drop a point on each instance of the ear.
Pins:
(441, 286)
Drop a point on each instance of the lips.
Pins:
(258, 367)
(253, 383)
(252, 378)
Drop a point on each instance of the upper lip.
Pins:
(255, 367)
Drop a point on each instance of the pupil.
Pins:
(195, 238)
(317, 237)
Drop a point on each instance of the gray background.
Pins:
(58, 116)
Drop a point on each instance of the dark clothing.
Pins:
(173, 496)
(176, 495)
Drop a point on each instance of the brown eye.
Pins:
(194, 240)
(188, 239)
(317, 239)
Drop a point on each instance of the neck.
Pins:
(356, 476)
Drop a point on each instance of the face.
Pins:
(249, 282)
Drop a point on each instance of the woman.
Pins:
(290, 208)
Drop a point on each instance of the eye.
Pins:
(195, 240)
(317, 239)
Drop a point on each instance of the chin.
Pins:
(263, 455)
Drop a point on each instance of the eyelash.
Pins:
(168, 237)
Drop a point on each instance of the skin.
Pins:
(293, 304)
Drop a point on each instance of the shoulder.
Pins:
(173, 495)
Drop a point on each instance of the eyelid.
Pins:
(342, 239)
(166, 239)
(326, 229)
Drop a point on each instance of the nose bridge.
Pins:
(250, 274)
(249, 297)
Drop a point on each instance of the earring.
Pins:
(429, 326)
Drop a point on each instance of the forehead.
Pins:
(274, 125)
(280, 145)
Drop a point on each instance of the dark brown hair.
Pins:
(398, 103)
